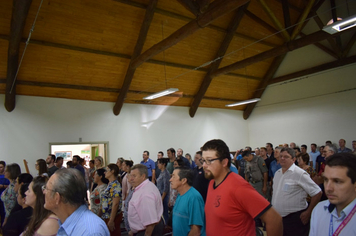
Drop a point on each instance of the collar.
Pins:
(69, 224)
(332, 209)
(142, 184)
(291, 168)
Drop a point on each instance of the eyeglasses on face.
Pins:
(208, 162)
(44, 187)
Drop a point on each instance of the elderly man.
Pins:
(145, 207)
(335, 215)
(232, 204)
(188, 211)
(151, 166)
(64, 196)
(291, 186)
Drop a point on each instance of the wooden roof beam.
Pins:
(315, 69)
(323, 48)
(262, 86)
(138, 49)
(216, 9)
(280, 50)
(263, 23)
(234, 23)
(203, 5)
(286, 16)
(274, 19)
(18, 19)
(298, 28)
(349, 45)
(190, 6)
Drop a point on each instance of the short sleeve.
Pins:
(262, 165)
(196, 208)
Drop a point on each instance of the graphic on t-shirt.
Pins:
(217, 201)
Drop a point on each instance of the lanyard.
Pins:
(342, 225)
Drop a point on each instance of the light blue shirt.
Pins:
(320, 219)
(313, 156)
(83, 222)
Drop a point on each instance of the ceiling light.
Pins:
(161, 94)
(243, 102)
(341, 25)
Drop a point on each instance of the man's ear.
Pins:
(184, 181)
(224, 162)
(57, 198)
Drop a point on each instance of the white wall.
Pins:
(25, 133)
(313, 109)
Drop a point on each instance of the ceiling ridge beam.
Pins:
(262, 86)
(137, 51)
(298, 28)
(233, 25)
(18, 19)
(315, 69)
(216, 9)
(121, 55)
(274, 19)
(280, 50)
(190, 6)
(185, 18)
(286, 16)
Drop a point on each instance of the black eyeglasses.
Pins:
(208, 162)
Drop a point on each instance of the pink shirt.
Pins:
(145, 206)
(126, 186)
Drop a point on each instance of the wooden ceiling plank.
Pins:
(262, 86)
(216, 9)
(322, 47)
(190, 6)
(263, 23)
(331, 41)
(291, 6)
(349, 45)
(298, 28)
(274, 19)
(203, 5)
(280, 50)
(286, 16)
(234, 23)
(315, 69)
(137, 51)
(19, 14)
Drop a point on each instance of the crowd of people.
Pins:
(283, 190)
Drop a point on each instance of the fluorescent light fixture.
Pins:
(243, 102)
(341, 25)
(161, 94)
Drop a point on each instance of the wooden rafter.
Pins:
(315, 69)
(286, 16)
(217, 9)
(274, 19)
(298, 28)
(234, 23)
(262, 86)
(19, 14)
(203, 5)
(190, 6)
(323, 48)
(349, 45)
(261, 22)
(138, 49)
(280, 50)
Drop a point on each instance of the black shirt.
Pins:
(200, 183)
(17, 222)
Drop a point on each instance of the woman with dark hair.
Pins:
(17, 221)
(126, 186)
(95, 195)
(303, 162)
(69, 164)
(163, 185)
(111, 201)
(43, 222)
(8, 197)
(41, 167)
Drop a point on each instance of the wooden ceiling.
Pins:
(215, 52)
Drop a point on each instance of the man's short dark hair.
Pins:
(222, 150)
(328, 142)
(14, 170)
(147, 152)
(345, 160)
(172, 150)
(77, 157)
(304, 146)
(199, 153)
(185, 172)
(290, 151)
(53, 157)
(70, 184)
(248, 148)
(59, 158)
(160, 152)
(313, 144)
(25, 178)
(270, 144)
(297, 148)
(3, 163)
(246, 153)
(92, 162)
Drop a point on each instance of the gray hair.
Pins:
(290, 151)
(141, 168)
(70, 184)
(100, 159)
(332, 148)
(278, 147)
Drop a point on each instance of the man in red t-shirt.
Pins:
(232, 204)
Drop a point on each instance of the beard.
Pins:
(208, 175)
